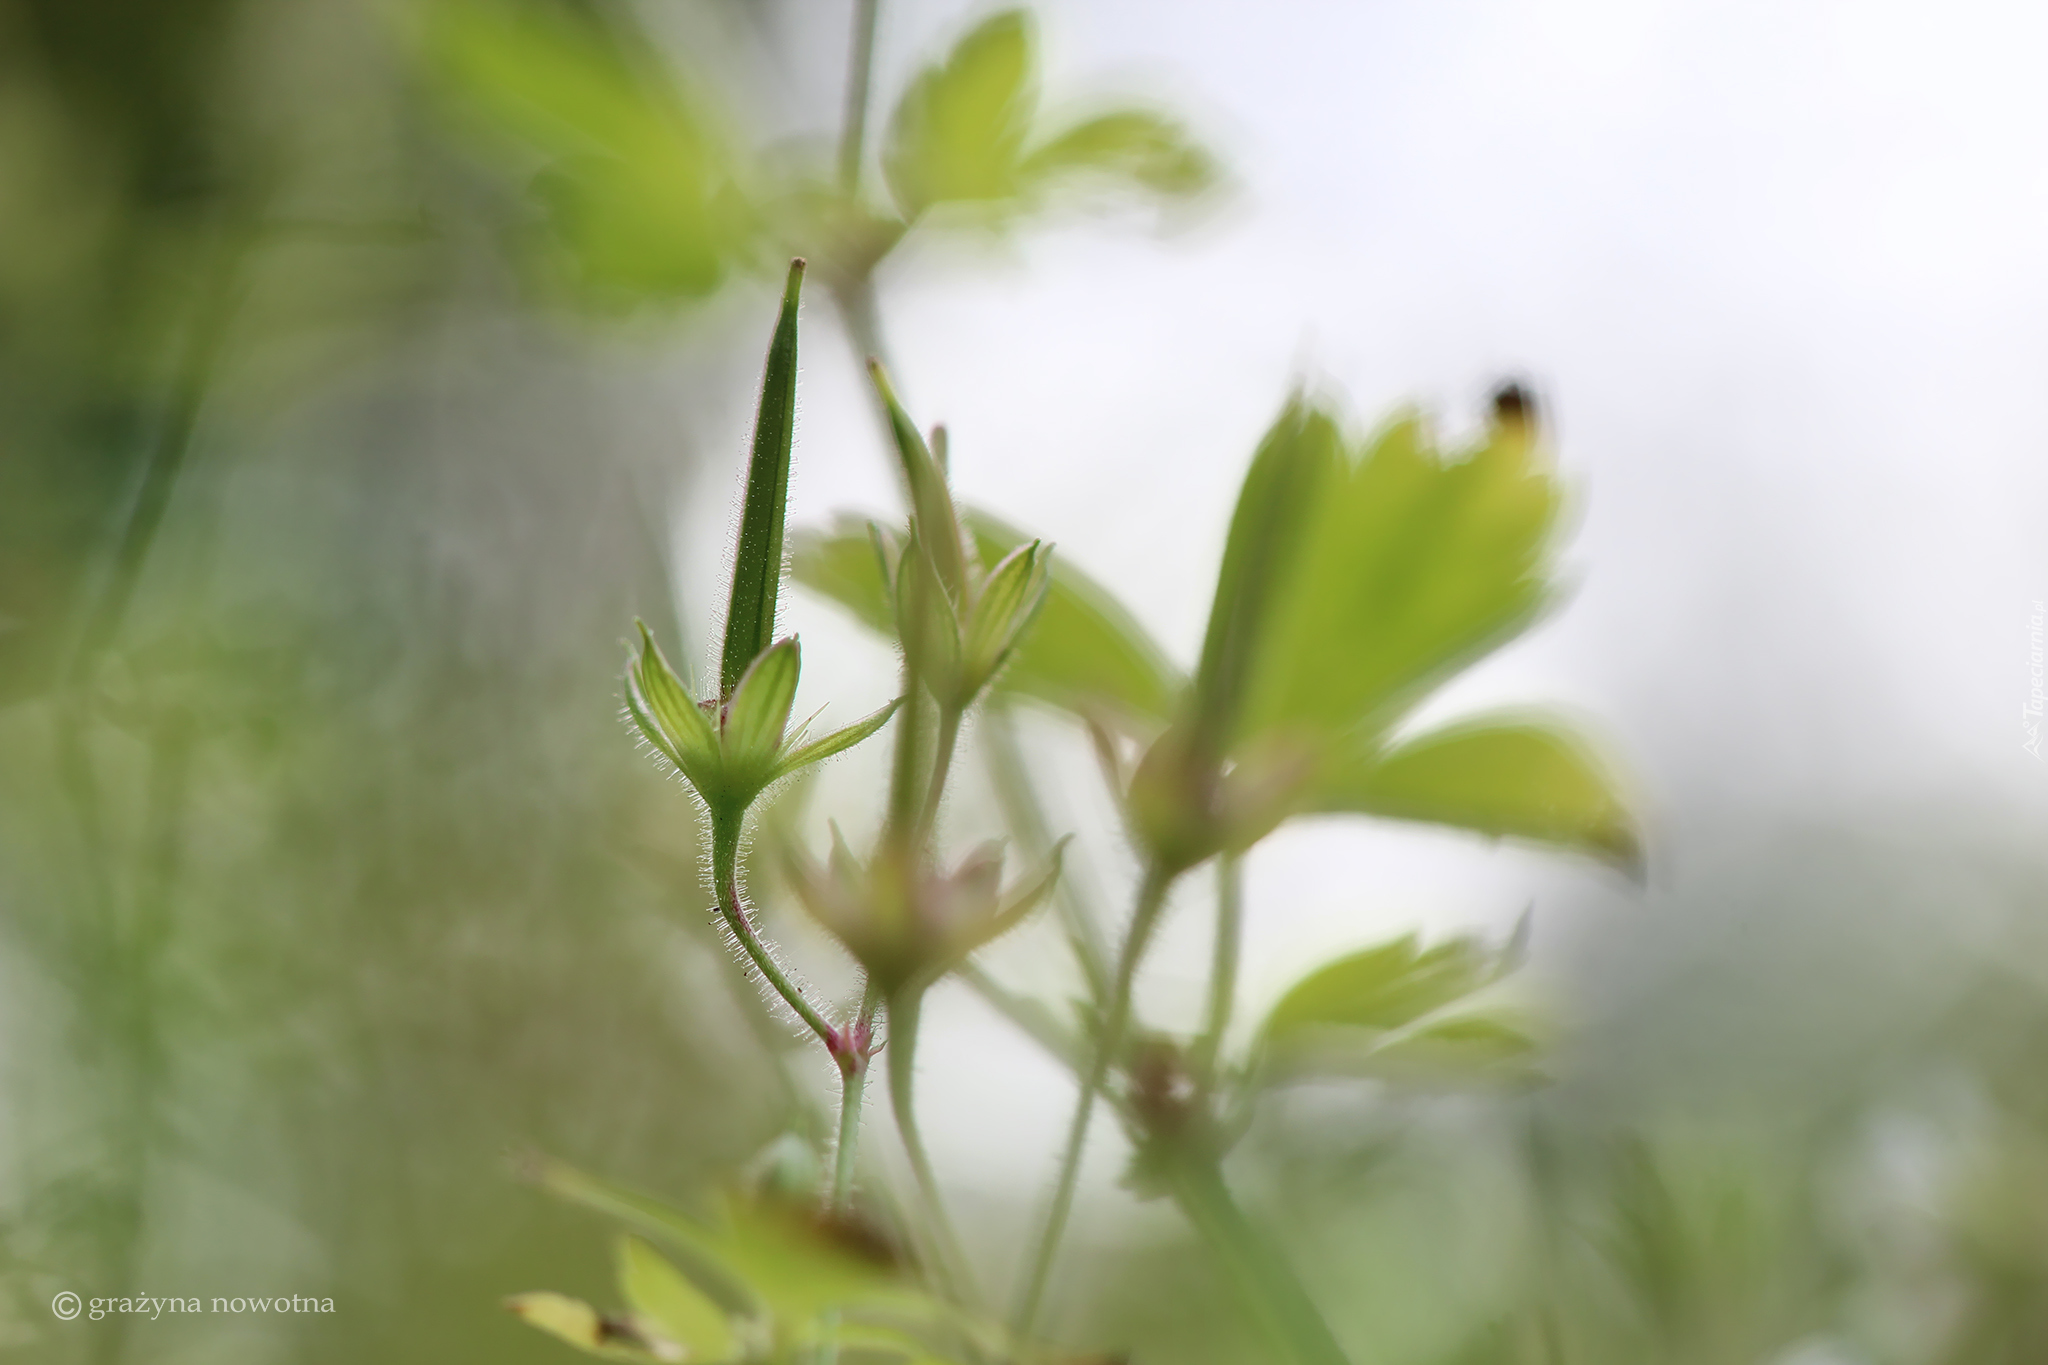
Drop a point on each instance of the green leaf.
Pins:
(837, 742)
(1459, 1050)
(757, 559)
(665, 1297)
(1084, 653)
(699, 1238)
(1385, 987)
(1300, 456)
(958, 134)
(756, 1254)
(1410, 566)
(639, 188)
(1526, 780)
(758, 714)
(583, 1327)
(842, 566)
(1126, 147)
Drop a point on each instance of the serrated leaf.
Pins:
(662, 1294)
(1136, 148)
(1299, 457)
(1459, 1050)
(958, 133)
(843, 566)
(838, 741)
(1084, 653)
(758, 714)
(639, 190)
(1515, 779)
(757, 556)
(1410, 566)
(1384, 987)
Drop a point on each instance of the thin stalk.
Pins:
(860, 66)
(853, 1082)
(1222, 969)
(1030, 1016)
(1025, 816)
(725, 858)
(1144, 916)
(904, 1010)
(942, 767)
(1256, 1270)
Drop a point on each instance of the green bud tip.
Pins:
(796, 281)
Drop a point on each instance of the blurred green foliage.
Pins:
(328, 875)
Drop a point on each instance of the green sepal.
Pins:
(667, 715)
(836, 742)
(937, 524)
(1005, 606)
(757, 716)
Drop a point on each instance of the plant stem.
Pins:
(1222, 969)
(860, 65)
(852, 1084)
(1256, 1269)
(1011, 778)
(904, 1010)
(942, 767)
(1144, 915)
(725, 858)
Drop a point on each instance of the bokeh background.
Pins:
(330, 876)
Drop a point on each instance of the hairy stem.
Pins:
(1116, 1018)
(853, 1082)
(942, 767)
(1025, 816)
(725, 860)
(860, 65)
(1222, 969)
(904, 1010)
(1264, 1282)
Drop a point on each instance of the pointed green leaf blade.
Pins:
(757, 559)
(1084, 653)
(838, 741)
(958, 133)
(1527, 779)
(662, 1294)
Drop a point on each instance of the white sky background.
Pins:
(1781, 271)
